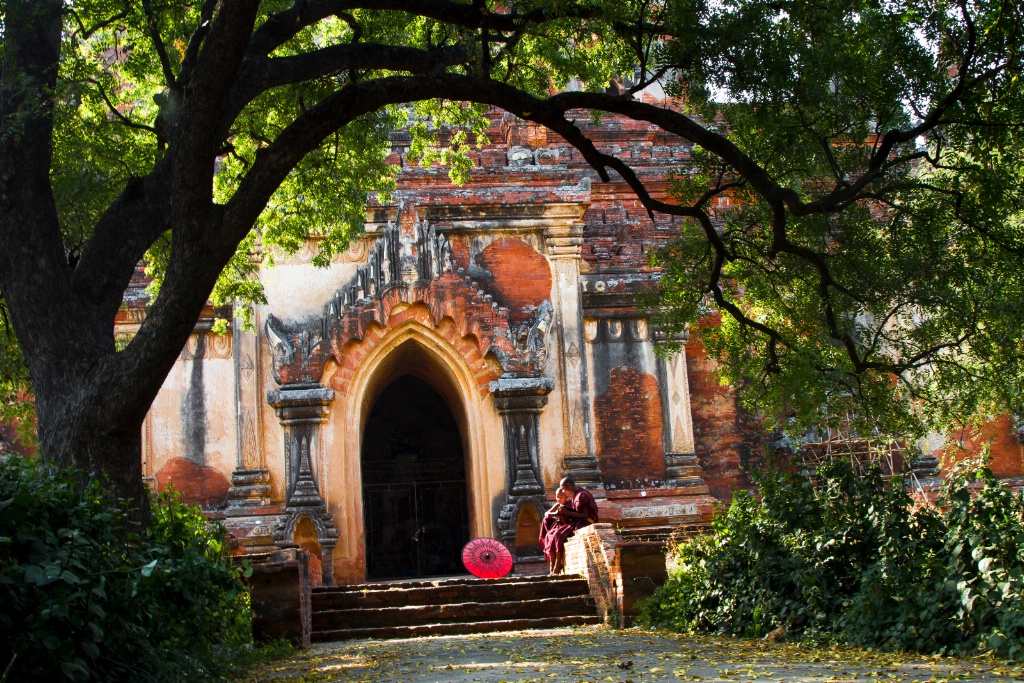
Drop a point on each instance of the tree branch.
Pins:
(195, 41)
(118, 115)
(129, 226)
(158, 45)
(87, 32)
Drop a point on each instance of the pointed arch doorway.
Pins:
(414, 484)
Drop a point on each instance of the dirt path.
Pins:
(597, 655)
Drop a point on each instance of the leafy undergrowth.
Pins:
(853, 560)
(85, 598)
(599, 655)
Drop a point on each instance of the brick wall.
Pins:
(520, 276)
(591, 553)
(721, 435)
(281, 600)
(628, 417)
(1006, 453)
(620, 573)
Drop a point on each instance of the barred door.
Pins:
(414, 484)
(415, 529)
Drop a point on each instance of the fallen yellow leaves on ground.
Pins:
(599, 655)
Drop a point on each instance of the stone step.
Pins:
(402, 595)
(436, 583)
(376, 617)
(456, 628)
(450, 606)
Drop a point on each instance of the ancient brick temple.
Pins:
(435, 382)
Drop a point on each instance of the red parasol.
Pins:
(487, 558)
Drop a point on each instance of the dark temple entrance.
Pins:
(414, 484)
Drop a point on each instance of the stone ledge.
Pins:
(280, 591)
(620, 573)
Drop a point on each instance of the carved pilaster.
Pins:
(520, 402)
(586, 472)
(682, 469)
(302, 410)
(147, 453)
(563, 243)
(250, 480)
(249, 489)
(526, 482)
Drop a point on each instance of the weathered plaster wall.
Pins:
(628, 406)
(272, 436)
(298, 289)
(190, 432)
(534, 224)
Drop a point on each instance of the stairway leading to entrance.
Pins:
(449, 606)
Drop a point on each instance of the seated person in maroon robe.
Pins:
(555, 528)
(582, 506)
(575, 509)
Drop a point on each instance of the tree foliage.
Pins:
(877, 271)
(867, 258)
(856, 560)
(16, 406)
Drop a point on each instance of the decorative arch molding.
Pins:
(508, 522)
(323, 525)
(355, 353)
(417, 347)
(406, 270)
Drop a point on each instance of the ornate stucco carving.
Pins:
(212, 347)
(297, 350)
(520, 402)
(405, 268)
(526, 350)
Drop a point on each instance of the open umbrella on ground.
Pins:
(487, 558)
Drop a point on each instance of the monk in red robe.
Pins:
(555, 528)
(582, 508)
(576, 508)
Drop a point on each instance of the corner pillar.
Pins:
(250, 480)
(564, 243)
(682, 469)
(302, 409)
(520, 401)
(927, 470)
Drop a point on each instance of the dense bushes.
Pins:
(854, 560)
(85, 598)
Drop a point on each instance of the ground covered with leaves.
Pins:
(599, 655)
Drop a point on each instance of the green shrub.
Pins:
(85, 598)
(853, 559)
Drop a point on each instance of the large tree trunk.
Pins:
(91, 400)
(85, 422)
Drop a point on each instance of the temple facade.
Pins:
(434, 383)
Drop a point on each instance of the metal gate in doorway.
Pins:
(415, 529)
(415, 512)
